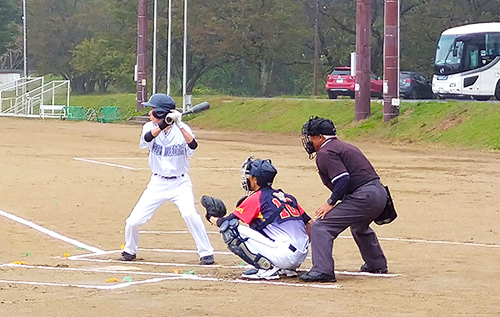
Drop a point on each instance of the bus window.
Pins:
(471, 60)
(492, 44)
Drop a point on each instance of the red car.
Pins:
(341, 83)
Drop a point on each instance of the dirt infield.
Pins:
(67, 187)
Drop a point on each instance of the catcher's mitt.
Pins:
(214, 207)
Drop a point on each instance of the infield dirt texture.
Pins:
(66, 189)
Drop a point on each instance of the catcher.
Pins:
(276, 240)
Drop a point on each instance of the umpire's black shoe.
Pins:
(313, 276)
(365, 268)
(207, 260)
(127, 257)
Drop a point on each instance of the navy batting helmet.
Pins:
(161, 103)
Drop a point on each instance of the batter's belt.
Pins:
(169, 177)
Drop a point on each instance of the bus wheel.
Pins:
(497, 91)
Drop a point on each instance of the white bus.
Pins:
(467, 63)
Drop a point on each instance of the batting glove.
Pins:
(175, 116)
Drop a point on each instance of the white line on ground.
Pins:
(167, 276)
(349, 237)
(136, 262)
(101, 287)
(104, 163)
(85, 257)
(50, 232)
(95, 161)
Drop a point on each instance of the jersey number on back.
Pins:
(288, 211)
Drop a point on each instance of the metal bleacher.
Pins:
(32, 97)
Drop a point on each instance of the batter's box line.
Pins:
(173, 264)
(485, 245)
(95, 161)
(85, 257)
(164, 276)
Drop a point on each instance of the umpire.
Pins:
(357, 199)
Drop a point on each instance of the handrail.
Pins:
(26, 98)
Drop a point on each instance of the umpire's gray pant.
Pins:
(356, 211)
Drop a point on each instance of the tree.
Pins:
(263, 33)
(8, 28)
(103, 62)
(56, 27)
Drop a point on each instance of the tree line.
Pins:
(237, 47)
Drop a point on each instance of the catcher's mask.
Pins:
(161, 104)
(316, 126)
(263, 170)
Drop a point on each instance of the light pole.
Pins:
(184, 70)
(25, 62)
(154, 46)
(169, 48)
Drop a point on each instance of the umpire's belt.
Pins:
(169, 177)
(292, 248)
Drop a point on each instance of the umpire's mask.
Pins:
(316, 126)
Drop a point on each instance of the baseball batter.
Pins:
(170, 142)
(275, 240)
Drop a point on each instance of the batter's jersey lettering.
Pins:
(168, 152)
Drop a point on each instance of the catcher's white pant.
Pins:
(159, 190)
(278, 252)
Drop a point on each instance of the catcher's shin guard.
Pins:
(235, 243)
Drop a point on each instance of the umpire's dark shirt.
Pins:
(336, 158)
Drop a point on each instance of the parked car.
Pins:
(341, 83)
(413, 85)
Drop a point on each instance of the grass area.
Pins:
(126, 102)
(457, 124)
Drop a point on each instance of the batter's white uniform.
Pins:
(168, 160)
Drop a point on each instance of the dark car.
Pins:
(341, 83)
(413, 85)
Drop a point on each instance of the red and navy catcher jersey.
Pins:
(286, 214)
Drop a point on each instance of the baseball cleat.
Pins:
(365, 268)
(288, 272)
(207, 260)
(261, 274)
(313, 276)
(127, 257)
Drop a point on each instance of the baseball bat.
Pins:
(197, 108)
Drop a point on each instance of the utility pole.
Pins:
(316, 50)
(391, 59)
(363, 60)
(142, 53)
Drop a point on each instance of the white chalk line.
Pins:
(100, 287)
(85, 257)
(95, 161)
(136, 262)
(349, 237)
(105, 163)
(167, 276)
(50, 232)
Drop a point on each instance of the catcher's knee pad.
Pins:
(235, 243)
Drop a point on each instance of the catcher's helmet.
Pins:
(317, 125)
(263, 170)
